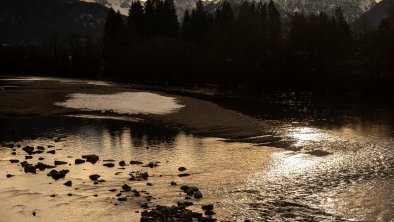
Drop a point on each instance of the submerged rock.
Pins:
(40, 148)
(207, 207)
(94, 177)
(52, 152)
(192, 191)
(184, 174)
(14, 161)
(28, 168)
(68, 183)
(56, 175)
(91, 158)
(43, 166)
(126, 187)
(109, 164)
(133, 162)
(28, 149)
(79, 161)
(209, 213)
(182, 168)
(184, 203)
(173, 214)
(57, 162)
(152, 164)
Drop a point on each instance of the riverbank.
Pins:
(38, 97)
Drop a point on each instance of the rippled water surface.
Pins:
(324, 161)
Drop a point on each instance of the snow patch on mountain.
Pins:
(352, 9)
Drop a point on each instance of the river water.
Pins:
(331, 160)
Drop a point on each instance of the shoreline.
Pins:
(38, 97)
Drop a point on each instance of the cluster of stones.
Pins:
(160, 213)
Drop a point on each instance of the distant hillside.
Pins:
(378, 12)
(34, 20)
(352, 9)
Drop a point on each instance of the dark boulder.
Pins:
(10, 175)
(94, 177)
(126, 187)
(173, 213)
(28, 168)
(57, 162)
(184, 174)
(122, 163)
(52, 152)
(43, 166)
(79, 161)
(68, 183)
(40, 148)
(207, 207)
(14, 161)
(56, 175)
(91, 158)
(133, 162)
(28, 149)
(182, 168)
(109, 164)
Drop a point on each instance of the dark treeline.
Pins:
(247, 44)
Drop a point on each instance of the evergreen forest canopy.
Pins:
(247, 44)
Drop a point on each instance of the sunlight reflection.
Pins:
(304, 135)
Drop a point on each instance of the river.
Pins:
(280, 157)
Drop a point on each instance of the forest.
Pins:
(248, 45)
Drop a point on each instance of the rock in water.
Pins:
(10, 175)
(135, 162)
(57, 174)
(94, 177)
(57, 162)
(79, 161)
(40, 148)
(43, 166)
(109, 164)
(28, 168)
(173, 213)
(126, 187)
(182, 168)
(207, 207)
(28, 149)
(91, 158)
(198, 195)
(184, 174)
